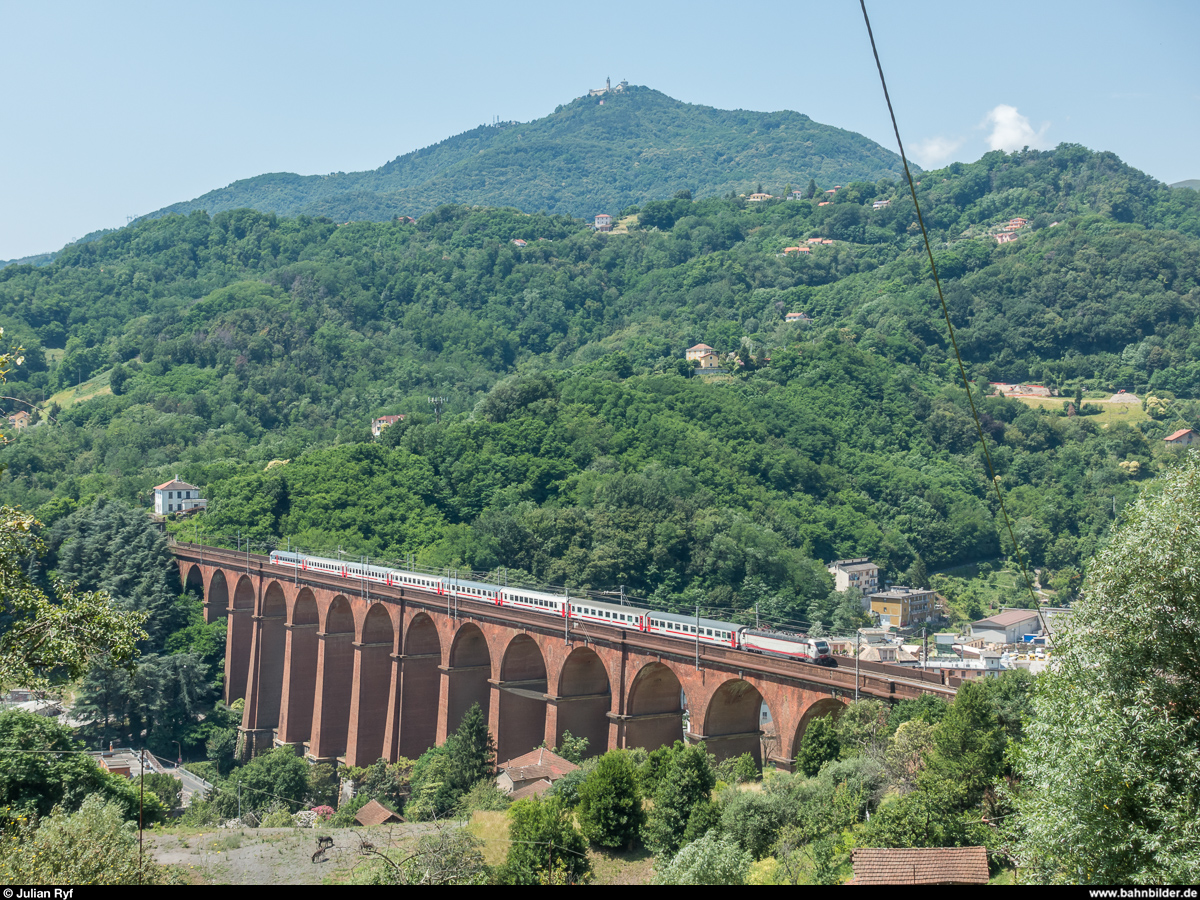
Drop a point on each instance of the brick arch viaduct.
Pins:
(348, 673)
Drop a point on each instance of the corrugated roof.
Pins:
(941, 865)
(375, 813)
(1009, 617)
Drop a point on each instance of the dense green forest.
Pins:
(587, 157)
(248, 353)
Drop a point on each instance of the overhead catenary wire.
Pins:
(946, 314)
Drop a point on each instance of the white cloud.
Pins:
(934, 151)
(1011, 130)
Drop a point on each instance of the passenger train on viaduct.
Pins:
(581, 609)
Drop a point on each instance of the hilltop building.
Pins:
(603, 222)
(608, 88)
(177, 496)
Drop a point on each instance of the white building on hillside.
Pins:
(177, 496)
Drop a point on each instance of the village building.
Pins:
(377, 425)
(520, 243)
(904, 606)
(789, 251)
(887, 653)
(860, 573)
(1005, 238)
(603, 222)
(533, 773)
(704, 356)
(798, 316)
(759, 198)
(987, 665)
(19, 420)
(1007, 627)
(881, 204)
(177, 496)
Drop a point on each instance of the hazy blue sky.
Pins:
(118, 109)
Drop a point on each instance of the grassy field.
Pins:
(636, 867)
(96, 386)
(1129, 413)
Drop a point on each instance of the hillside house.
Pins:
(603, 222)
(377, 425)
(859, 573)
(518, 242)
(1185, 437)
(798, 317)
(704, 356)
(176, 496)
(791, 251)
(823, 203)
(1005, 237)
(881, 204)
(759, 198)
(19, 420)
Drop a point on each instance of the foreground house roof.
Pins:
(941, 865)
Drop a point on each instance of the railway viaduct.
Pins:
(347, 673)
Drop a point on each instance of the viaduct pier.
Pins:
(352, 673)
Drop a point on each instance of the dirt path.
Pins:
(272, 855)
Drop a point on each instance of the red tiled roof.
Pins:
(942, 865)
(1177, 435)
(536, 789)
(700, 347)
(176, 485)
(536, 764)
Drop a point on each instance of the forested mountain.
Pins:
(589, 156)
(248, 353)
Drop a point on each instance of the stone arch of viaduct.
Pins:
(342, 676)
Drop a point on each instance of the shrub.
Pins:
(710, 860)
(92, 846)
(610, 804)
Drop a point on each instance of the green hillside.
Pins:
(1193, 183)
(583, 159)
(576, 445)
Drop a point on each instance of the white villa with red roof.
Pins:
(177, 496)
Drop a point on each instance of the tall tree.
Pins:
(1111, 778)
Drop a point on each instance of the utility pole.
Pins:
(857, 648)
